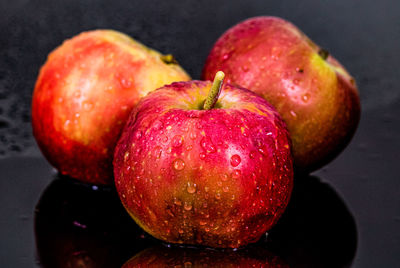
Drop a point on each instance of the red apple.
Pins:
(83, 97)
(161, 256)
(218, 176)
(314, 94)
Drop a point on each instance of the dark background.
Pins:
(347, 214)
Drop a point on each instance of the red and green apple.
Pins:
(315, 95)
(201, 163)
(84, 94)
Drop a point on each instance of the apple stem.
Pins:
(168, 59)
(214, 92)
(323, 53)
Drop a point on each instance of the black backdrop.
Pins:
(363, 35)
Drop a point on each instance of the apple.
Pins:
(83, 97)
(161, 256)
(212, 169)
(315, 95)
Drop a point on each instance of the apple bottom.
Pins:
(76, 160)
(212, 228)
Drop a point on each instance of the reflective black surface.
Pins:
(347, 214)
(80, 225)
(317, 229)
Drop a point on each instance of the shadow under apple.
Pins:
(316, 230)
(80, 225)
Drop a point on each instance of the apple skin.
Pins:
(161, 256)
(220, 177)
(84, 94)
(317, 98)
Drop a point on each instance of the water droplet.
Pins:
(187, 206)
(165, 139)
(87, 105)
(189, 147)
(202, 156)
(225, 177)
(225, 189)
(158, 125)
(177, 141)
(236, 173)
(207, 229)
(218, 196)
(191, 189)
(138, 135)
(207, 145)
(226, 56)
(66, 124)
(157, 152)
(305, 97)
(179, 164)
(193, 135)
(126, 155)
(293, 113)
(262, 151)
(252, 154)
(126, 83)
(235, 160)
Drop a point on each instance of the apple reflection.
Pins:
(174, 256)
(78, 225)
(316, 230)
